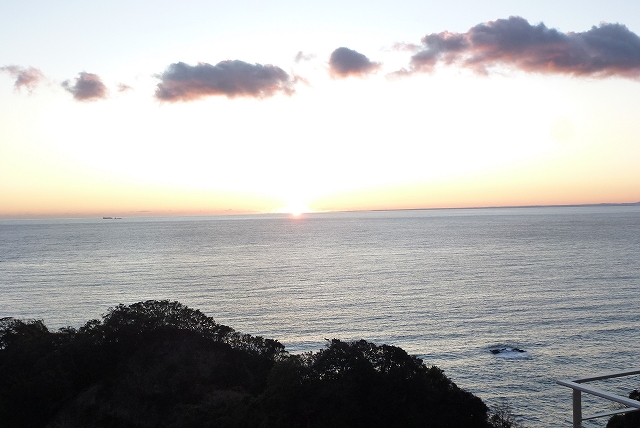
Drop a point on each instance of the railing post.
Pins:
(577, 409)
(577, 386)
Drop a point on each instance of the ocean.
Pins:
(561, 283)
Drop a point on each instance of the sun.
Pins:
(296, 209)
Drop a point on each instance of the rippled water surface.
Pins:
(448, 285)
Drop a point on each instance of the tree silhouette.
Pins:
(162, 364)
(360, 384)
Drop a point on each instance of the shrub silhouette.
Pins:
(359, 384)
(627, 420)
(162, 364)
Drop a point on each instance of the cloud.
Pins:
(123, 87)
(603, 51)
(301, 56)
(86, 87)
(405, 47)
(345, 62)
(25, 77)
(183, 82)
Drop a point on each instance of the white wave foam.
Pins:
(510, 353)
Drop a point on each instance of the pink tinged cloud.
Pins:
(184, 82)
(123, 87)
(345, 62)
(86, 87)
(405, 47)
(25, 77)
(603, 51)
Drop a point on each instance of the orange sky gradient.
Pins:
(223, 112)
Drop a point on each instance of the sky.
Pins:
(206, 107)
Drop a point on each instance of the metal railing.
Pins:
(579, 388)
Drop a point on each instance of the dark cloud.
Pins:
(183, 82)
(86, 87)
(606, 50)
(345, 62)
(25, 77)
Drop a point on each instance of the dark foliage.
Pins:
(161, 364)
(502, 417)
(627, 420)
(359, 384)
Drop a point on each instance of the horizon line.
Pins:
(231, 212)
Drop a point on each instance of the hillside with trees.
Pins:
(162, 364)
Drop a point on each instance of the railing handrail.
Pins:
(578, 388)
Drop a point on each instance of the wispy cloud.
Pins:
(86, 87)
(345, 62)
(301, 56)
(184, 82)
(25, 77)
(405, 47)
(123, 87)
(603, 51)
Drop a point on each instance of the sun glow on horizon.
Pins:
(295, 209)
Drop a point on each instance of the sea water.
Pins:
(560, 283)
